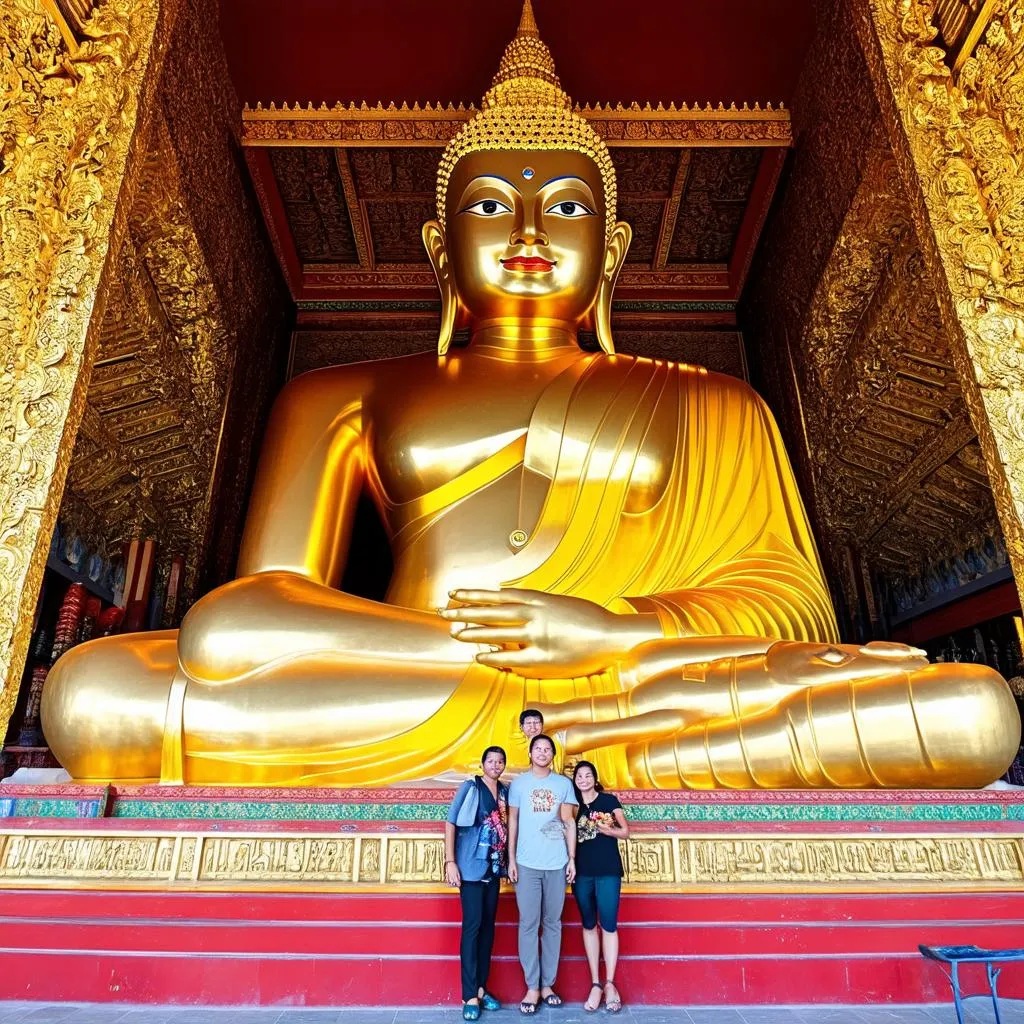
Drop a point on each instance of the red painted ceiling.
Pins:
(605, 50)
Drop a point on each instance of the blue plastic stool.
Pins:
(957, 955)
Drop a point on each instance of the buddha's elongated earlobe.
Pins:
(433, 239)
(615, 257)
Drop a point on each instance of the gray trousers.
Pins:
(541, 897)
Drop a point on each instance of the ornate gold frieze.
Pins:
(70, 119)
(957, 143)
(414, 862)
(435, 125)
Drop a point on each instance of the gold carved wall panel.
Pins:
(957, 139)
(71, 117)
(854, 348)
(193, 325)
(415, 862)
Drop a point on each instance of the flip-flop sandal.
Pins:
(593, 1009)
(528, 1009)
(471, 1011)
(552, 999)
(612, 1005)
(489, 1002)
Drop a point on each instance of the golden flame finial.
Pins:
(526, 108)
(527, 22)
(526, 75)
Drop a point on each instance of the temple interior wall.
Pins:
(193, 344)
(847, 344)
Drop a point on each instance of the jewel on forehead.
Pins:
(528, 173)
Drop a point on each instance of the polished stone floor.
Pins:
(42, 1013)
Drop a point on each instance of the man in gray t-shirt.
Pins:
(542, 852)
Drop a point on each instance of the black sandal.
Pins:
(612, 1005)
(528, 1009)
(552, 999)
(596, 984)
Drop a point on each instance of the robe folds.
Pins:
(668, 490)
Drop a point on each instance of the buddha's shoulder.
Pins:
(344, 379)
(690, 376)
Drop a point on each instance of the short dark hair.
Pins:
(530, 713)
(541, 736)
(494, 750)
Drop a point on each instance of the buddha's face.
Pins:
(525, 234)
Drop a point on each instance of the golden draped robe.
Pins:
(670, 492)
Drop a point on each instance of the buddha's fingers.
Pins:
(486, 615)
(639, 728)
(509, 634)
(491, 597)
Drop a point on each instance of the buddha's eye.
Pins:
(569, 209)
(487, 208)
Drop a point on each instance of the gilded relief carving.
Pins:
(69, 120)
(957, 142)
(145, 458)
(415, 862)
(431, 125)
(864, 375)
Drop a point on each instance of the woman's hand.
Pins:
(513, 871)
(570, 870)
(452, 875)
(545, 635)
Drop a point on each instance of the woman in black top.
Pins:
(600, 824)
(476, 860)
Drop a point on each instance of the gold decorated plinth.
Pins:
(189, 839)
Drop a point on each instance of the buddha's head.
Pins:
(526, 225)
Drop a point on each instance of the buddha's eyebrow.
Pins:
(568, 177)
(490, 177)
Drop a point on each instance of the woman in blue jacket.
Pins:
(476, 860)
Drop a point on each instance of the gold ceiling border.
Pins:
(434, 124)
(71, 156)
(956, 144)
(413, 862)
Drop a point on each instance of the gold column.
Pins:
(76, 84)
(953, 133)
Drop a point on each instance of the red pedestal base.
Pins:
(402, 949)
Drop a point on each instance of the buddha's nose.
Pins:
(529, 228)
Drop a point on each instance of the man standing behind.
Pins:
(542, 858)
(531, 723)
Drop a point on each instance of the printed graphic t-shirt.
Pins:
(541, 842)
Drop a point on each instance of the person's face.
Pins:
(494, 765)
(585, 778)
(542, 755)
(532, 726)
(526, 234)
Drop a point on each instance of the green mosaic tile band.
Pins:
(234, 810)
(50, 807)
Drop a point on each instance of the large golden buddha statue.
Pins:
(617, 540)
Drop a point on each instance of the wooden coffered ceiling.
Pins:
(345, 188)
(345, 221)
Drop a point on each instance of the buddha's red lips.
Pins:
(532, 264)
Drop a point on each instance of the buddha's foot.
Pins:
(936, 727)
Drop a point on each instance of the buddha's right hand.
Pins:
(540, 635)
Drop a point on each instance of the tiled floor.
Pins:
(63, 1013)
